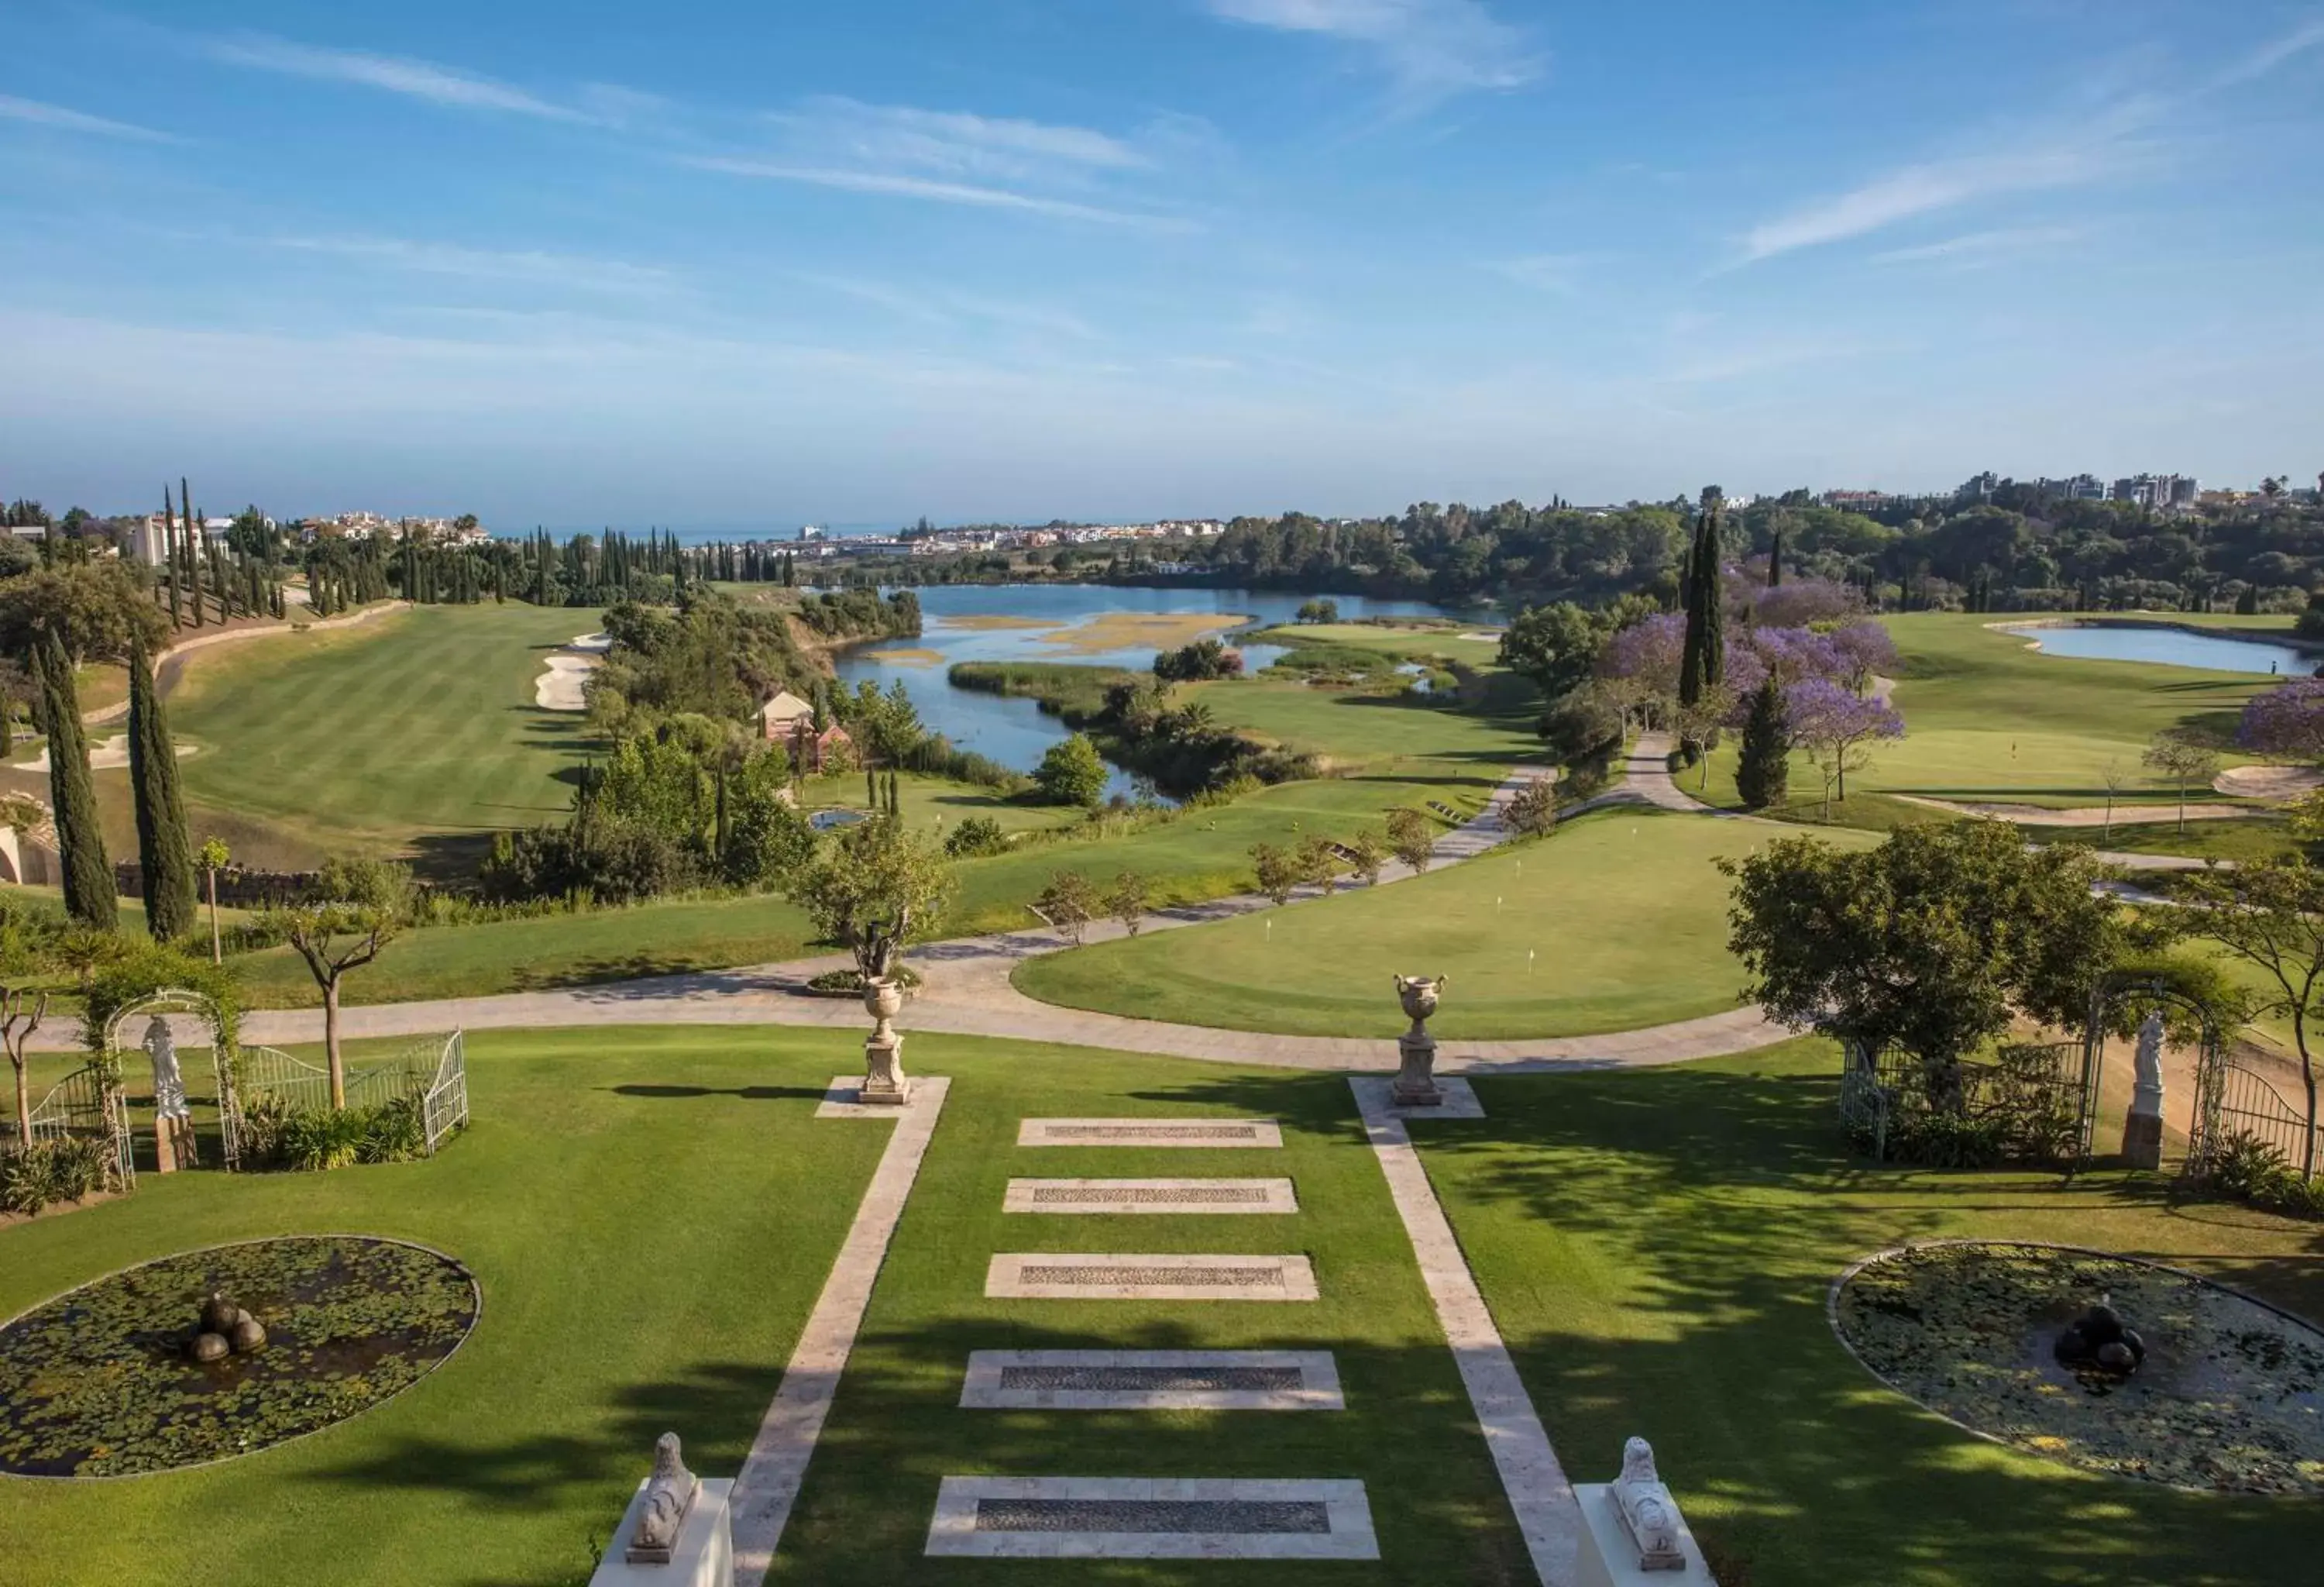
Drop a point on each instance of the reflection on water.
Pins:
(2175, 647)
(1014, 732)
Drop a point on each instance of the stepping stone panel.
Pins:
(1205, 1196)
(1150, 1132)
(1140, 1517)
(1152, 1381)
(1078, 1275)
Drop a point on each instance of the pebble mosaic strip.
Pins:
(1076, 1276)
(1152, 1380)
(1139, 1517)
(1150, 1195)
(1160, 1133)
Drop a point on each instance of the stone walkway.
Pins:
(1535, 1483)
(768, 1483)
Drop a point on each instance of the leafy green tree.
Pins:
(1411, 837)
(1369, 847)
(353, 911)
(1533, 808)
(18, 1023)
(1278, 872)
(2268, 915)
(95, 610)
(1762, 771)
(1127, 900)
(80, 837)
(974, 837)
(874, 888)
(1554, 646)
(1933, 942)
(2180, 760)
(1068, 903)
(1317, 612)
(165, 866)
(1072, 772)
(213, 857)
(1318, 864)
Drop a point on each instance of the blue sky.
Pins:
(727, 264)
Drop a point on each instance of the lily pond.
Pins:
(2230, 1396)
(96, 1383)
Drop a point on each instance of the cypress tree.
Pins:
(1763, 772)
(1775, 561)
(193, 547)
(1692, 673)
(89, 874)
(165, 862)
(1714, 600)
(170, 558)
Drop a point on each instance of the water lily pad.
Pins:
(2230, 1396)
(96, 1384)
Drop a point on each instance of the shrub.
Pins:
(1204, 658)
(323, 1140)
(52, 1171)
(2247, 1169)
(1533, 808)
(393, 1132)
(975, 835)
(852, 981)
(265, 1118)
(1072, 773)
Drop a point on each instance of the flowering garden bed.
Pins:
(95, 1383)
(2230, 1396)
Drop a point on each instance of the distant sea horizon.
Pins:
(709, 534)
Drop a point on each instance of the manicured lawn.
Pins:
(1656, 1246)
(650, 1215)
(1622, 912)
(897, 1429)
(415, 731)
(1988, 719)
(1384, 732)
(1202, 854)
(1402, 642)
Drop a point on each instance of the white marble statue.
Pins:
(1648, 1513)
(2147, 1094)
(161, 1044)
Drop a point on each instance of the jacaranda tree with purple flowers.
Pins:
(2288, 720)
(1837, 727)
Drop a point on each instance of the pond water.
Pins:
(955, 628)
(2175, 647)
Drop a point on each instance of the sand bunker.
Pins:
(2269, 782)
(560, 688)
(105, 755)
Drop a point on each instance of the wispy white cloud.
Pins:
(1985, 248)
(527, 266)
(953, 142)
(895, 185)
(1431, 49)
(392, 74)
(947, 306)
(2276, 53)
(2118, 136)
(75, 121)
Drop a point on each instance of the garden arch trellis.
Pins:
(176, 1003)
(2110, 993)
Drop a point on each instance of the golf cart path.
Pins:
(968, 993)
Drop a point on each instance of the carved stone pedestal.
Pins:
(1416, 1079)
(2142, 1127)
(173, 1144)
(2142, 1140)
(884, 1080)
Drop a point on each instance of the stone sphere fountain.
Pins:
(223, 1329)
(2099, 1341)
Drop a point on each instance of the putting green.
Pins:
(1616, 921)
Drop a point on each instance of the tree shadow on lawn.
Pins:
(1657, 1247)
(755, 1094)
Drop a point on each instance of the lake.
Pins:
(2174, 647)
(957, 625)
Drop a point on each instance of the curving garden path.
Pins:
(969, 994)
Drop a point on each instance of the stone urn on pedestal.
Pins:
(884, 1080)
(1416, 1077)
